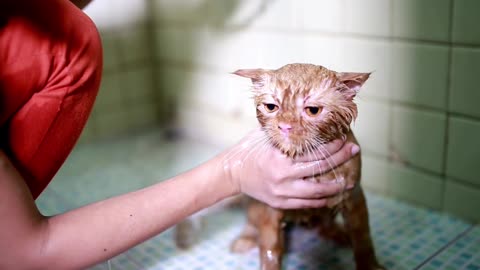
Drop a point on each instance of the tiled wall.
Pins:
(419, 118)
(126, 100)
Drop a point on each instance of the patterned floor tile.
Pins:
(463, 253)
(405, 236)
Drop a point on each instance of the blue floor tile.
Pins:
(405, 236)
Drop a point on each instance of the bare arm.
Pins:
(101, 230)
(96, 232)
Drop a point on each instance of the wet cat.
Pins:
(300, 107)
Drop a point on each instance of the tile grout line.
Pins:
(447, 104)
(459, 236)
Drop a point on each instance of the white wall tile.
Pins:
(108, 14)
(372, 17)
(372, 126)
(369, 56)
(324, 15)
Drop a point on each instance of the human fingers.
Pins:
(294, 203)
(307, 169)
(305, 189)
(327, 150)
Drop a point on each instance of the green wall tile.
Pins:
(463, 156)
(112, 124)
(418, 137)
(138, 85)
(110, 95)
(464, 92)
(419, 75)
(415, 187)
(466, 21)
(371, 126)
(133, 44)
(462, 200)
(110, 50)
(425, 19)
(375, 172)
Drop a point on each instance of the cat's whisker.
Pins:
(239, 149)
(321, 148)
(310, 150)
(236, 151)
(253, 149)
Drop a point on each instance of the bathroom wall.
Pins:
(168, 62)
(127, 98)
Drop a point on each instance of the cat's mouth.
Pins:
(290, 147)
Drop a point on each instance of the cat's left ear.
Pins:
(353, 81)
(258, 76)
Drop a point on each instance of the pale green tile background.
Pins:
(462, 200)
(465, 81)
(420, 74)
(414, 186)
(463, 152)
(418, 137)
(424, 19)
(465, 23)
(167, 64)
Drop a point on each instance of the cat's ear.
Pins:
(258, 76)
(352, 80)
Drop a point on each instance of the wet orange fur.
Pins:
(292, 88)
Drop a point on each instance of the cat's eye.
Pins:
(270, 107)
(313, 111)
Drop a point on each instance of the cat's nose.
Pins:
(285, 128)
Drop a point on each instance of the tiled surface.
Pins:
(419, 74)
(425, 19)
(371, 127)
(462, 254)
(368, 56)
(463, 151)
(423, 54)
(465, 21)
(462, 199)
(465, 68)
(371, 17)
(405, 237)
(418, 137)
(415, 186)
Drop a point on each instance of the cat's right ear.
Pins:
(258, 76)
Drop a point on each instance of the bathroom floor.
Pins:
(406, 237)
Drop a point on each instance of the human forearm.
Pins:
(104, 229)
(96, 232)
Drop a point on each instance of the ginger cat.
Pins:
(301, 107)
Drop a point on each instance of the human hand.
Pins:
(261, 171)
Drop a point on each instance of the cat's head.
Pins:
(301, 105)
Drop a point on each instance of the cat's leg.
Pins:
(355, 215)
(246, 240)
(331, 230)
(271, 239)
(186, 233)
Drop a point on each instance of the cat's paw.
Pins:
(243, 244)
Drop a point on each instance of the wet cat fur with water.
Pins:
(301, 107)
